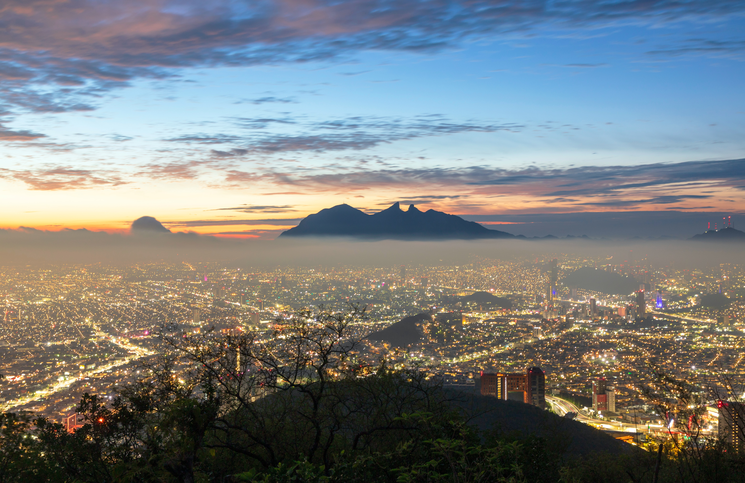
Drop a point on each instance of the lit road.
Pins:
(562, 407)
(137, 352)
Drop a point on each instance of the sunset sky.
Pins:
(240, 118)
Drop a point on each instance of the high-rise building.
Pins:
(603, 396)
(517, 388)
(196, 315)
(528, 388)
(553, 277)
(493, 385)
(593, 307)
(732, 424)
(537, 387)
(641, 304)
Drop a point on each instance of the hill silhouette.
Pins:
(519, 419)
(488, 300)
(725, 234)
(589, 278)
(403, 333)
(148, 224)
(391, 223)
(715, 301)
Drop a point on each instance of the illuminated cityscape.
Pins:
(71, 329)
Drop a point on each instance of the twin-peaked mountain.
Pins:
(391, 223)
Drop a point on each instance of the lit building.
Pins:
(732, 424)
(517, 388)
(528, 388)
(603, 396)
(493, 385)
(73, 422)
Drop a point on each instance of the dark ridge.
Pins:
(715, 301)
(725, 234)
(487, 299)
(512, 418)
(392, 223)
(403, 333)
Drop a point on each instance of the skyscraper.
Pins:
(493, 385)
(537, 387)
(517, 388)
(553, 277)
(732, 424)
(528, 388)
(641, 304)
(603, 396)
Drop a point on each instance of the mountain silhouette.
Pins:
(148, 224)
(391, 223)
(725, 234)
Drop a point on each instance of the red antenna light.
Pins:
(729, 221)
(708, 226)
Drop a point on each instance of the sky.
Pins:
(239, 118)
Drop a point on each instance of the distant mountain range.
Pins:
(725, 234)
(391, 223)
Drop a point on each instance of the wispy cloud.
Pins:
(352, 133)
(258, 209)
(54, 178)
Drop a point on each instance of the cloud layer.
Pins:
(61, 55)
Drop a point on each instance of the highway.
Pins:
(562, 407)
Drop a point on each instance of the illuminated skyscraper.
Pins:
(517, 387)
(529, 388)
(493, 385)
(732, 424)
(603, 396)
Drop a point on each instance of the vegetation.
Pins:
(299, 407)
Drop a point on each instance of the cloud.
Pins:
(174, 171)
(206, 139)
(201, 223)
(672, 185)
(269, 100)
(351, 133)
(54, 178)
(258, 209)
(260, 123)
(58, 56)
(708, 47)
(229, 154)
(21, 136)
(657, 200)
